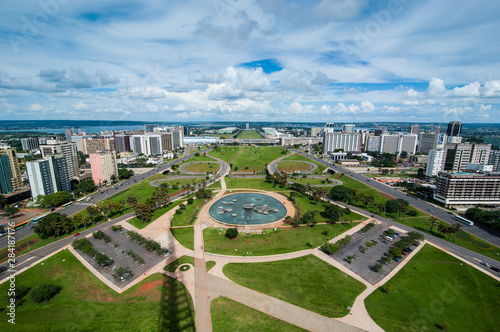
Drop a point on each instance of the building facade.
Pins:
(48, 176)
(494, 160)
(349, 128)
(69, 150)
(122, 143)
(348, 142)
(467, 189)
(454, 129)
(30, 143)
(431, 141)
(435, 163)
(17, 181)
(103, 165)
(6, 186)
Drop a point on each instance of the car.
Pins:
(77, 234)
(449, 212)
(430, 210)
(496, 269)
(485, 263)
(404, 253)
(388, 238)
(397, 259)
(384, 241)
(371, 215)
(31, 227)
(409, 249)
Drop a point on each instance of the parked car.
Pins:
(404, 253)
(77, 234)
(388, 238)
(384, 241)
(360, 232)
(31, 227)
(409, 249)
(485, 263)
(397, 259)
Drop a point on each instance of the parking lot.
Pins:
(363, 263)
(121, 259)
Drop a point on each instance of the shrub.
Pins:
(178, 211)
(190, 200)
(378, 267)
(98, 235)
(231, 233)
(330, 248)
(122, 273)
(103, 260)
(116, 228)
(44, 292)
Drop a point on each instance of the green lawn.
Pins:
(271, 242)
(249, 134)
(293, 166)
(307, 282)
(178, 262)
(185, 235)
(209, 265)
(201, 157)
(156, 214)
(255, 159)
(433, 288)
(297, 156)
(306, 204)
(310, 180)
(202, 167)
(226, 153)
(188, 215)
(462, 238)
(86, 304)
(252, 183)
(231, 316)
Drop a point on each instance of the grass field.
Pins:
(249, 134)
(229, 316)
(293, 166)
(307, 282)
(185, 235)
(178, 262)
(188, 215)
(201, 157)
(253, 183)
(202, 167)
(271, 242)
(86, 304)
(458, 294)
(320, 168)
(310, 180)
(255, 159)
(226, 153)
(209, 265)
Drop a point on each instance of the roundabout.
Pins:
(246, 209)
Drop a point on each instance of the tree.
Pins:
(122, 273)
(85, 186)
(124, 173)
(231, 233)
(10, 210)
(395, 251)
(203, 193)
(433, 222)
(333, 213)
(143, 211)
(132, 201)
(402, 208)
(44, 292)
(340, 193)
(2, 201)
(113, 178)
(93, 212)
(103, 260)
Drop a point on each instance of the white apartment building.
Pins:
(435, 163)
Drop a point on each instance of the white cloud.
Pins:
(436, 87)
(38, 107)
(492, 89)
(469, 90)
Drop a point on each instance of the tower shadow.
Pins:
(176, 307)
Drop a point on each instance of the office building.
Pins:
(435, 163)
(185, 131)
(398, 143)
(201, 140)
(80, 140)
(431, 141)
(372, 143)
(30, 143)
(247, 126)
(17, 180)
(467, 189)
(494, 160)
(5, 175)
(389, 143)
(457, 156)
(48, 175)
(347, 142)
(414, 129)
(94, 145)
(150, 144)
(328, 128)
(177, 138)
(122, 143)
(69, 150)
(103, 165)
(150, 127)
(348, 128)
(315, 131)
(454, 139)
(167, 141)
(454, 129)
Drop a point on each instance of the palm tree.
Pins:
(402, 208)
(456, 229)
(92, 211)
(354, 194)
(433, 222)
(381, 207)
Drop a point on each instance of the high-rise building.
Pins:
(457, 156)
(247, 126)
(80, 141)
(389, 143)
(398, 143)
(186, 130)
(454, 129)
(315, 131)
(150, 127)
(177, 138)
(348, 142)
(329, 128)
(103, 165)
(17, 180)
(122, 143)
(167, 141)
(414, 129)
(150, 144)
(48, 176)
(431, 141)
(30, 143)
(5, 175)
(454, 139)
(94, 145)
(348, 128)
(467, 189)
(435, 163)
(68, 149)
(372, 143)
(494, 159)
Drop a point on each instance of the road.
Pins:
(436, 211)
(112, 190)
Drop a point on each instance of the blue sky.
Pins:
(276, 60)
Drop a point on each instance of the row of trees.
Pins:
(442, 229)
(488, 218)
(55, 199)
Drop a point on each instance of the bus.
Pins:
(465, 221)
(21, 225)
(67, 204)
(36, 219)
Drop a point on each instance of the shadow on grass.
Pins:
(176, 307)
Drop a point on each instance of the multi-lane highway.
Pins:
(427, 207)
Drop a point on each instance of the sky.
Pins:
(261, 60)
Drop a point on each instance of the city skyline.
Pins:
(322, 61)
